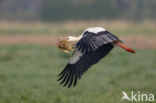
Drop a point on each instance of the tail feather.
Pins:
(125, 48)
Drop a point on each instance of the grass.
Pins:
(69, 27)
(28, 74)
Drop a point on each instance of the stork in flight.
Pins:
(91, 46)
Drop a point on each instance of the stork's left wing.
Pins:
(92, 41)
(80, 63)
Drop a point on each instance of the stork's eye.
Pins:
(67, 38)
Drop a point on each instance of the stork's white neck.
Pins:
(74, 38)
(95, 29)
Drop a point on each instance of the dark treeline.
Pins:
(83, 10)
(56, 10)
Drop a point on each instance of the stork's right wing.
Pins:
(80, 63)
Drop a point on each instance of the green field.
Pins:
(66, 28)
(28, 74)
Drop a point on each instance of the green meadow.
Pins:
(28, 74)
(65, 28)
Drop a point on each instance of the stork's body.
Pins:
(91, 46)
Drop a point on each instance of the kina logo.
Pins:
(137, 96)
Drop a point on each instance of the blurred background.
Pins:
(58, 10)
(30, 61)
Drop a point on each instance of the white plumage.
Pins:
(95, 29)
(76, 57)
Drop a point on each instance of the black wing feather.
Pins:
(73, 72)
(95, 40)
(76, 76)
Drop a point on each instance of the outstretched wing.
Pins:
(92, 41)
(80, 63)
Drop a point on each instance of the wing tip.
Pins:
(68, 76)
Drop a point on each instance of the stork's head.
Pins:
(72, 38)
(66, 44)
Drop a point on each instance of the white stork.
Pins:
(91, 46)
